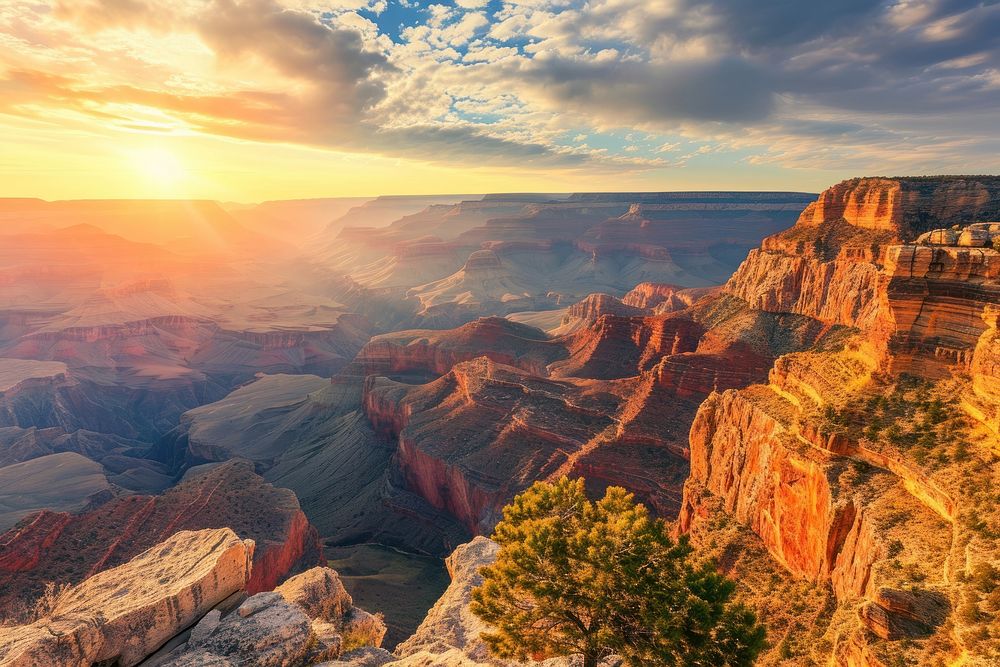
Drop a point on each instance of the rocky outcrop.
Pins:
(470, 440)
(935, 296)
(661, 298)
(450, 626)
(596, 305)
(125, 613)
(188, 596)
(841, 291)
(265, 630)
(619, 347)
(307, 620)
(895, 614)
(907, 206)
(70, 548)
(321, 595)
(319, 592)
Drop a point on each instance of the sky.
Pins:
(246, 100)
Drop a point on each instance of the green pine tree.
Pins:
(596, 579)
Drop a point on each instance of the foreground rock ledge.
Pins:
(123, 614)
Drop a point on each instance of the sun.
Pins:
(158, 166)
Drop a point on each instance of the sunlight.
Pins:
(159, 166)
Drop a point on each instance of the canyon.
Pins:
(809, 388)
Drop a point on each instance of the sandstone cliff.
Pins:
(863, 465)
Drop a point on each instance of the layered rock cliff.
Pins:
(434, 353)
(907, 207)
(863, 465)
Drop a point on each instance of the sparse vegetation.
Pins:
(357, 637)
(912, 415)
(604, 578)
(22, 611)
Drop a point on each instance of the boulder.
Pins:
(124, 614)
(265, 631)
(363, 628)
(319, 593)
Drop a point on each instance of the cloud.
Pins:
(725, 89)
(345, 74)
(849, 83)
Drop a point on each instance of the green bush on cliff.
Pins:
(605, 578)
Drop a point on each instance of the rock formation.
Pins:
(184, 602)
(853, 464)
(67, 548)
(62, 482)
(126, 613)
(430, 353)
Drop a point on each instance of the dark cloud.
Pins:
(777, 24)
(345, 73)
(726, 89)
(868, 56)
(873, 57)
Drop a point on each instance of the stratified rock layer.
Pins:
(123, 614)
(829, 463)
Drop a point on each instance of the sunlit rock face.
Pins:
(189, 600)
(68, 547)
(818, 463)
(126, 613)
(907, 207)
(851, 260)
(936, 297)
(983, 401)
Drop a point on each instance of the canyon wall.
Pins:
(820, 463)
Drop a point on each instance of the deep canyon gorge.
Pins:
(807, 386)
